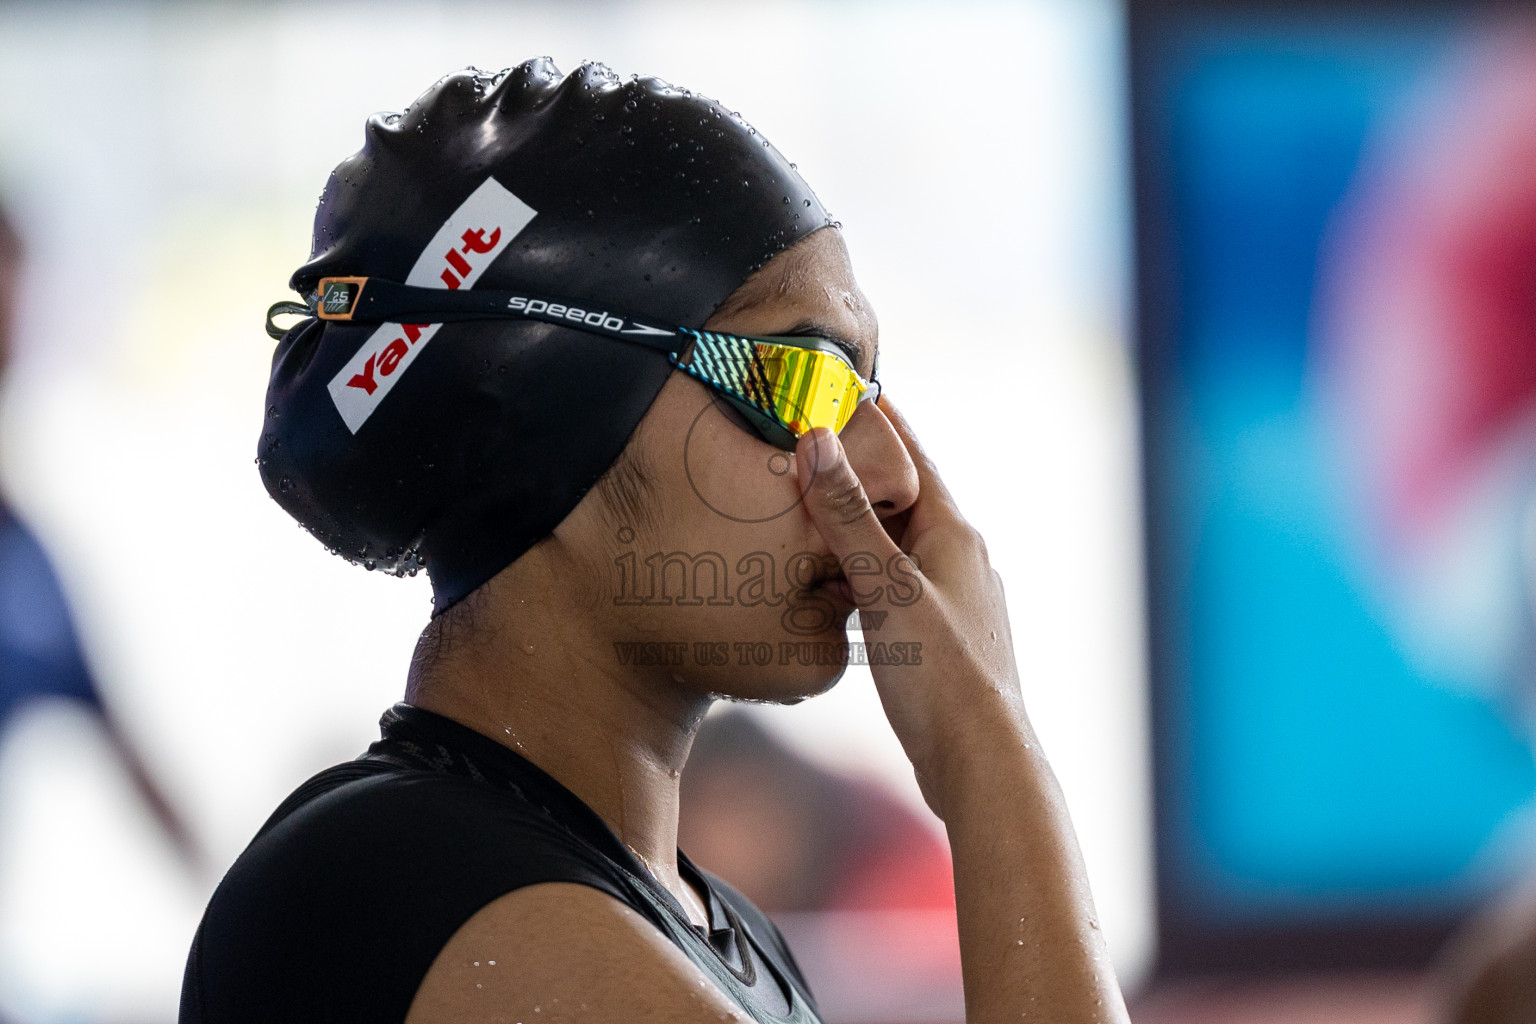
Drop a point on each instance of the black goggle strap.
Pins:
(278, 309)
(707, 355)
(729, 363)
(725, 361)
(369, 300)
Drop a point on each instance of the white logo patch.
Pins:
(473, 236)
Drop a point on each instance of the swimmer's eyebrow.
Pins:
(857, 353)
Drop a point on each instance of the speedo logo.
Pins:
(546, 310)
(466, 243)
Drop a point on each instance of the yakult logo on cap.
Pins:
(469, 240)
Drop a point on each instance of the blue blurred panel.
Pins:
(1267, 134)
(1323, 774)
(39, 655)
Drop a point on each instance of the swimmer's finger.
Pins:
(836, 501)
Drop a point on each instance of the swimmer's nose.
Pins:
(880, 459)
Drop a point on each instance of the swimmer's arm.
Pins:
(557, 952)
(1031, 947)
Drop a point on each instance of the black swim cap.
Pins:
(459, 455)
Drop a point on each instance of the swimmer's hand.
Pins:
(968, 679)
(1030, 942)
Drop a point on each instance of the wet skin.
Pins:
(542, 671)
(535, 667)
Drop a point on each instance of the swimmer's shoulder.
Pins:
(345, 898)
(570, 952)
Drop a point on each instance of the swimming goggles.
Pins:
(783, 386)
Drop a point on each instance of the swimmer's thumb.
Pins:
(836, 501)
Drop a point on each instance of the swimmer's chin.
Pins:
(784, 700)
(801, 689)
(842, 670)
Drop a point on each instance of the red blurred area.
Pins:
(795, 837)
(859, 882)
(1430, 285)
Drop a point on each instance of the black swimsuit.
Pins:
(325, 916)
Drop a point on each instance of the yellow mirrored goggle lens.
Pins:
(807, 388)
(786, 386)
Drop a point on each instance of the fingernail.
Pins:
(826, 447)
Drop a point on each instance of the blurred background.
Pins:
(1256, 290)
(1336, 223)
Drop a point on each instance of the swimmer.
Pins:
(591, 353)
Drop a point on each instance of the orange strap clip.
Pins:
(338, 297)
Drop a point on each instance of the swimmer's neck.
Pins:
(534, 670)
